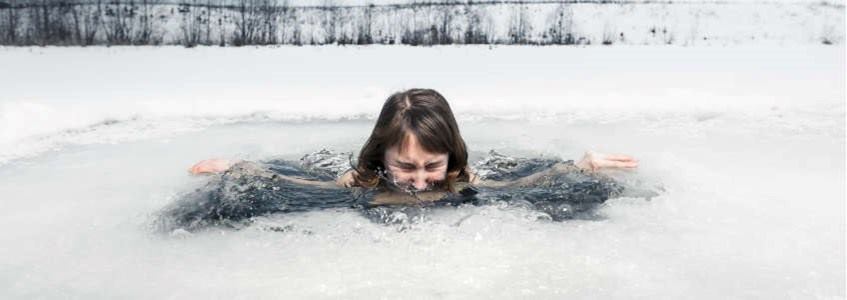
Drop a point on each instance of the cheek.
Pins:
(400, 174)
(437, 175)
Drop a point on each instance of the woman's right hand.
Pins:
(214, 165)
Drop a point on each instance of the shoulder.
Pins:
(473, 178)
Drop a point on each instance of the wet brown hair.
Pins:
(424, 113)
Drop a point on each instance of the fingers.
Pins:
(196, 169)
(626, 164)
(193, 169)
(619, 157)
(199, 167)
(606, 163)
(594, 161)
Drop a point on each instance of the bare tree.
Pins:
(39, 19)
(329, 22)
(246, 23)
(292, 20)
(63, 27)
(411, 34)
(608, 34)
(208, 23)
(445, 32)
(192, 25)
(560, 28)
(146, 33)
(476, 32)
(519, 26)
(91, 23)
(118, 22)
(12, 23)
(345, 33)
(364, 33)
(269, 14)
(222, 32)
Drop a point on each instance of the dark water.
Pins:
(254, 189)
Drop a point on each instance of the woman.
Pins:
(414, 155)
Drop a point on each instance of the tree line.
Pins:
(270, 22)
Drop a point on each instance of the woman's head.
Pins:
(417, 141)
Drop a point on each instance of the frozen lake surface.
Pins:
(747, 141)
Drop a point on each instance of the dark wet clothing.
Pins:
(251, 189)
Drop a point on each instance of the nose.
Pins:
(419, 181)
(420, 184)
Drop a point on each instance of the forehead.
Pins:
(410, 150)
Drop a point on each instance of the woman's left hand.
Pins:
(594, 161)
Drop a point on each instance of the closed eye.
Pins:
(434, 165)
(406, 166)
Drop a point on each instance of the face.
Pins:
(415, 166)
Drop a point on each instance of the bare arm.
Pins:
(212, 166)
(526, 180)
(253, 168)
(590, 162)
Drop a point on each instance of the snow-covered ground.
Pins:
(748, 141)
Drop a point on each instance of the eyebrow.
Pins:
(400, 162)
